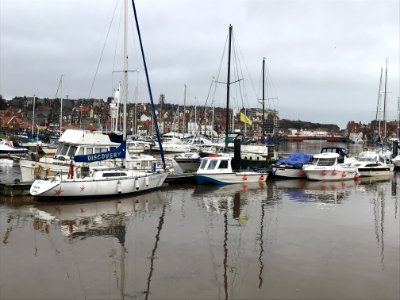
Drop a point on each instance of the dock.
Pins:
(15, 189)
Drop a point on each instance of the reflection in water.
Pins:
(260, 256)
(395, 195)
(153, 252)
(256, 242)
(379, 217)
(302, 190)
(80, 221)
(235, 198)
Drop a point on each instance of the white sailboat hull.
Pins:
(89, 187)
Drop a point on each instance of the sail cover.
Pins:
(118, 152)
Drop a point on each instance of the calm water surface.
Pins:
(288, 239)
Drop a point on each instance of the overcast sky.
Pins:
(323, 57)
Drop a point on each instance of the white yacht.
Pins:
(326, 166)
(370, 163)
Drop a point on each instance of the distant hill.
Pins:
(286, 124)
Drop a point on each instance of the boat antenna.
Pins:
(148, 85)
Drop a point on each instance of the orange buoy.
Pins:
(244, 177)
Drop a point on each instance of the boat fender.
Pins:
(262, 178)
(244, 177)
(344, 174)
(119, 188)
(302, 174)
(334, 172)
(324, 173)
(146, 180)
(136, 183)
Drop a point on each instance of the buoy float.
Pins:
(119, 189)
(302, 174)
(262, 178)
(324, 173)
(244, 177)
(344, 174)
(334, 172)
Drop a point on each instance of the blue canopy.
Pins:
(296, 160)
(118, 152)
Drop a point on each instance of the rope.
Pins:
(102, 51)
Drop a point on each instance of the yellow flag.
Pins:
(245, 119)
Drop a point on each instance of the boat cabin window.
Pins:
(72, 150)
(89, 151)
(63, 150)
(212, 164)
(81, 151)
(223, 164)
(326, 161)
(114, 174)
(203, 164)
(59, 149)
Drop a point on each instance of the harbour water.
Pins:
(287, 239)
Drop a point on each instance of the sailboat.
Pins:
(222, 169)
(102, 181)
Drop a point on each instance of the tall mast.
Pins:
(263, 102)
(148, 85)
(184, 112)
(33, 117)
(125, 83)
(61, 101)
(384, 106)
(377, 118)
(227, 87)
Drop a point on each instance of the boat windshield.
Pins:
(326, 161)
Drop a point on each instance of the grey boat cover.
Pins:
(296, 160)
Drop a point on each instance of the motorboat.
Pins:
(370, 163)
(218, 170)
(291, 167)
(173, 145)
(328, 166)
(188, 161)
(7, 147)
